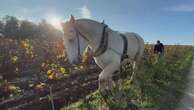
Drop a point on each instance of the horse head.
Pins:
(74, 44)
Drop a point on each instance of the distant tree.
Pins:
(46, 30)
(1, 26)
(11, 26)
(27, 29)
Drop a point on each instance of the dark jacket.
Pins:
(159, 48)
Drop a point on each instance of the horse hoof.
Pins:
(115, 77)
(105, 92)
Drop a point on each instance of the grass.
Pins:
(159, 84)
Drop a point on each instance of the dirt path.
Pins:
(187, 102)
(65, 91)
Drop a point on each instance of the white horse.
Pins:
(111, 49)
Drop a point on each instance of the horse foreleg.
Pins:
(105, 77)
(134, 71)
(126, 61)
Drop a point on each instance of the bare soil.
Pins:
(65, 91)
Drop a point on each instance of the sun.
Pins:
(55, 22)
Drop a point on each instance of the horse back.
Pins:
(135, 45)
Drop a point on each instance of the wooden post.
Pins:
(51, 98)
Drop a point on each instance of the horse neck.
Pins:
(92, 31)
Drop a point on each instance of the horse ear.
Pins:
(72, 19)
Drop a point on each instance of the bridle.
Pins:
(78, 42)
(102, 46)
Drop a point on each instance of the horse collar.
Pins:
(103, 43)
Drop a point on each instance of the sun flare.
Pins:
(55, 22)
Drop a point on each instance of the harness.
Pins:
(138, 52)
(125, 47)
(103, 43)
(103, 46)
(124, 55)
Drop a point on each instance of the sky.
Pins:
(170, 21)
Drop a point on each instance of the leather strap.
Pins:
(103, 43)
(125, 47)
(138, 42)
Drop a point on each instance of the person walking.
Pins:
(159, 48)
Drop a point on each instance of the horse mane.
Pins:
(85, 19)
(90, 21)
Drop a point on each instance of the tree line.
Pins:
(12, 27)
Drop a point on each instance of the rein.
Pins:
(102, 46)
(79, 33)
(78, 41)
(78, 48)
